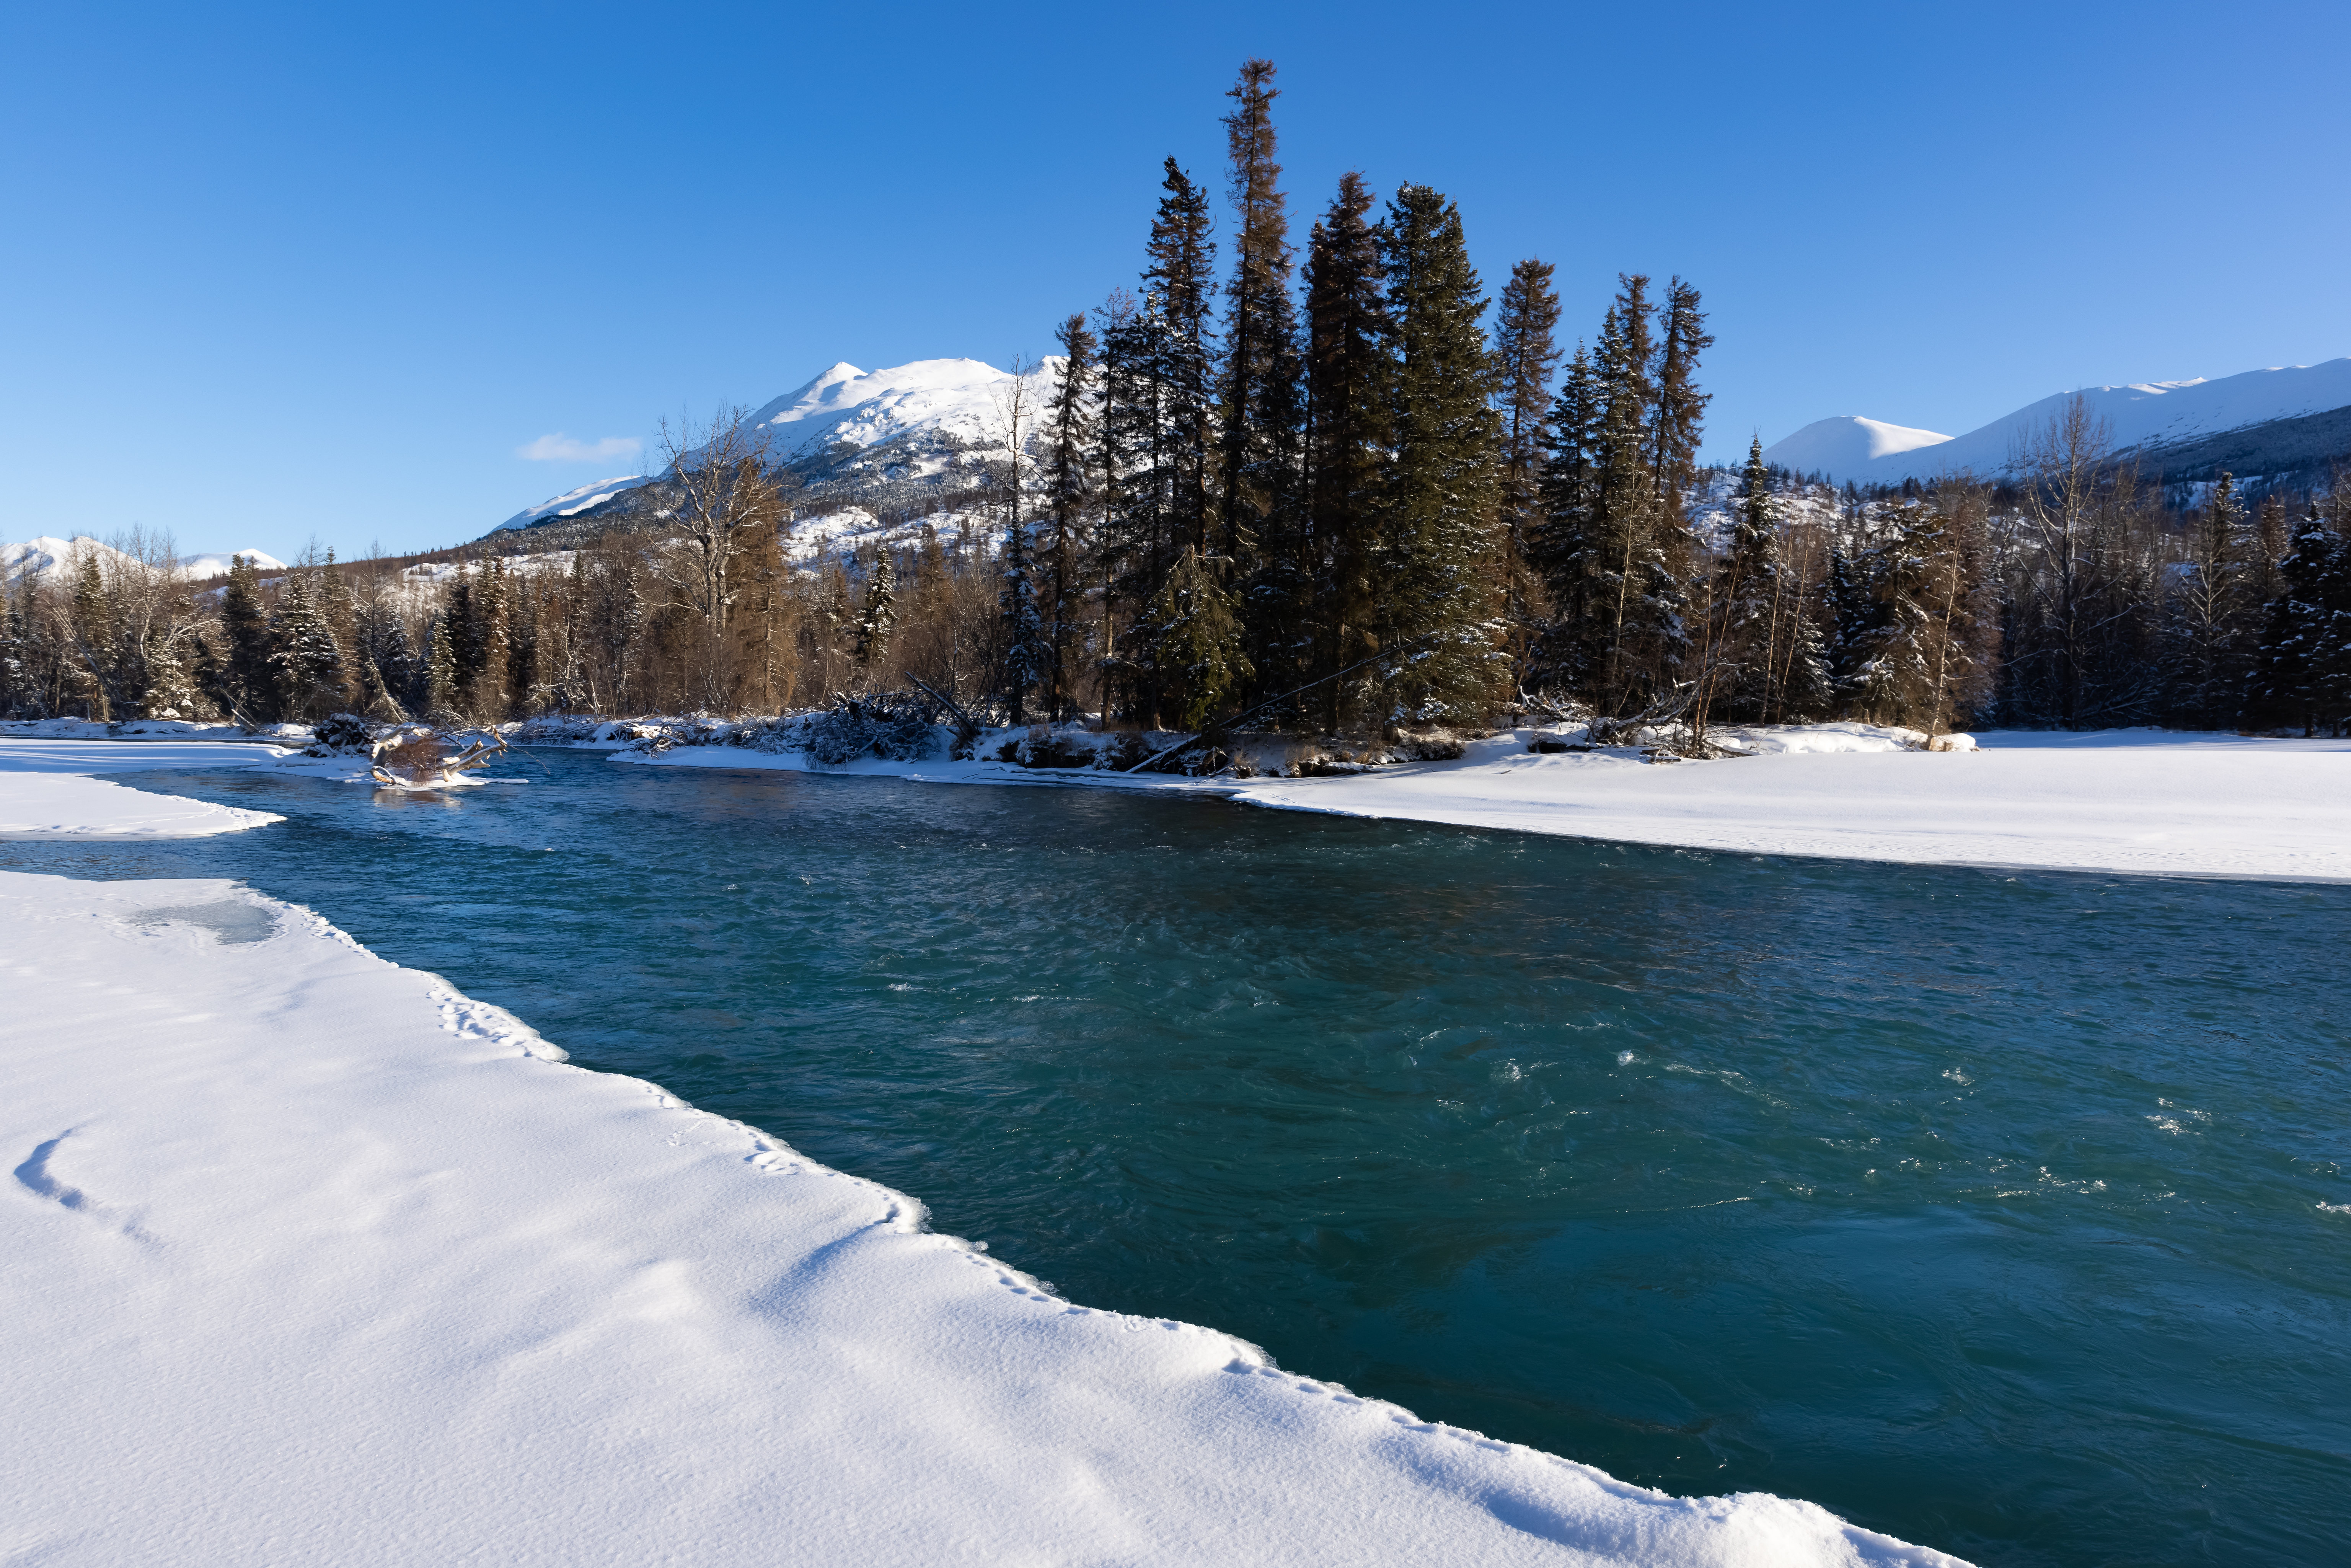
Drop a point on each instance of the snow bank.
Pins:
(2136, 801)
(61, 806)
(45, 793)
(311, 1258)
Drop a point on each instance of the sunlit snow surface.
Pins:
(312, 1258)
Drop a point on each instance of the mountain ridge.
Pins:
(2158, 423)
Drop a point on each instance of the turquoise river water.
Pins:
(2007, 1213)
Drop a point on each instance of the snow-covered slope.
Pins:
(46, 555)
(959, 398)
(215, 563)
(572, 502)
(857, 434)
(2142, 417)
(1846, 443)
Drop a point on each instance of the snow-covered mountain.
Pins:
(572, 502)
(1847, 443)
(961, 399)
(47, 555)
(2167, 420)
(215, 563)
(857, 433)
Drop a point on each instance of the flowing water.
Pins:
(2008, 1213)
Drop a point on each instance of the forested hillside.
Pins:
(1331, 483)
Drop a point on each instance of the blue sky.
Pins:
(276, 274)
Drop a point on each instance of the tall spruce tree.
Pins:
(1565, 546)
(877, 618)
(309, 663)
(251, 681)
(1069, 494)
(1633, 623)
(1526, 353)
(1436, 614)
(1350, 381)
(1023, 656)
(1181, 279)
(1158, 425)
(1745, 630)
(1261, 494)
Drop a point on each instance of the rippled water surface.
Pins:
(2011, 1214)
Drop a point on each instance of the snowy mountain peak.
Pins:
(2140, 417)
(951, 406)
(958, 397)
(1835, 446)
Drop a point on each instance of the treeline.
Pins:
(1334, 488)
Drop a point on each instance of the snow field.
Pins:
(313, 1258)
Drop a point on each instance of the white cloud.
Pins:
(561, 448)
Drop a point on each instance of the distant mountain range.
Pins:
(890, 437)
(45, 556)
(2286, 424)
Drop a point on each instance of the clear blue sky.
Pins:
(278, 273)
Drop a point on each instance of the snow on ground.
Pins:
(2145, 802)
(313, 1258)
(2137, 801)
(45, 793)
(58, 805)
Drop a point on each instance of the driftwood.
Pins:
(968, 728)
(421, 758)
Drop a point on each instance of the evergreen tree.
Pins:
(1745, 633)
(1526, 352)
(308, 661)
(389, 670)
(1196, 642)
(878, 616)
(2303, 664)
(93, 629)
(251, 679)
(1068, 486)
(1159, 418)
(1350, 381)
(441, 673)
(1678, 423)
(1637, 596)
(1181, 280)
(487, 697)
(1262, 490)
(1025, 657)
(1566, 546)
(1436, 609)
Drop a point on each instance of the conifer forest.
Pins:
(1331, 484)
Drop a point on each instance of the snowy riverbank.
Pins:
(313, 1257)
(2145, 802)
